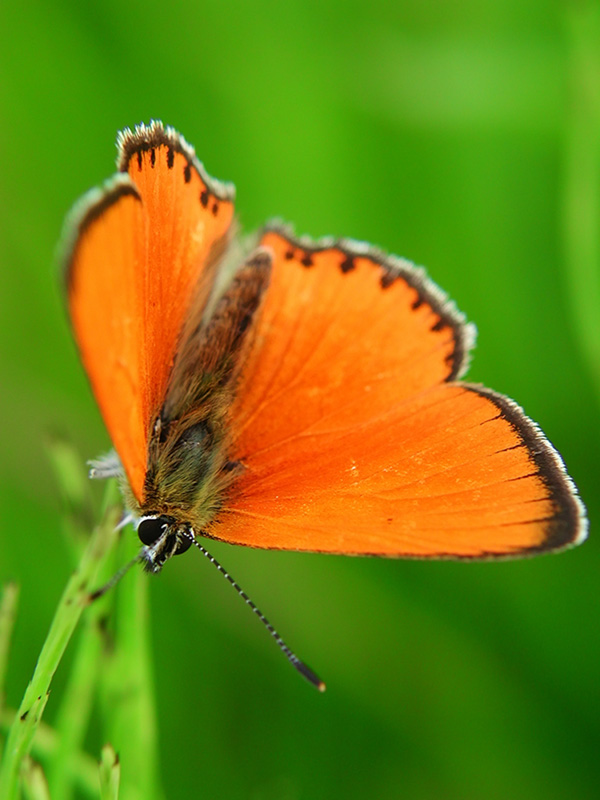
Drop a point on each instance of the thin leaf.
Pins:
(128, 691)
(35, 785)
(84, 769)
(110, 773)
(8, 611)
(72, 603)
(76, 703)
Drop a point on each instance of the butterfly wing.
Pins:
(355, 436)
(141, 250)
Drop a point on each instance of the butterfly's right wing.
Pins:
(354, 437)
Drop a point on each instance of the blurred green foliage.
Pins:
(456, 134)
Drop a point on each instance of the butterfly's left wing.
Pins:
(355, 436)
(140, 253)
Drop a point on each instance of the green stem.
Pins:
(128, 691)
(83, 768)
(72, 603)
(76, 703)
(8, 611)
(34, 781)
(73, 485)
(110, 774)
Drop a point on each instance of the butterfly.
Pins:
(281, 392)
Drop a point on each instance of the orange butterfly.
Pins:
(303, 396)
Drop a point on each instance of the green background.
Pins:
(461, 135)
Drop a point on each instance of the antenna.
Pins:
(302, 668)
(115, 579)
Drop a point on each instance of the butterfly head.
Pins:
(162, 537)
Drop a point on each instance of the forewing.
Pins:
(355, 438)
(140, 252)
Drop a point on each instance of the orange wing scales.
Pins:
(329, 340)
(141, 258)
(356, 440)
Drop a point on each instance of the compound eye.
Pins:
(150, 530)
(183, 545)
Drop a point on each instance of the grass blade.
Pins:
(34, 781)
(110, 774)
(128, 691)
(76, 703)
(8, 611)
(84, 769)
(72, 603)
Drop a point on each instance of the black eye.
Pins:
(184, 544)
(150, 530)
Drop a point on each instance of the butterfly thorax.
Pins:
(188, 469)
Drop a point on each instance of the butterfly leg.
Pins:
(107, 466)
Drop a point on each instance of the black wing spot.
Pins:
(170, 157)
(417, 303)
(439, 325)
(215, 209)
(289, 254)
(307, 260)
(499, 415)
(187, 172)
(348, 264)
(139, 160)
(204, 198)
(387, 279)
(152, 156)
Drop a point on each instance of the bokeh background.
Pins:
(460, 134)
